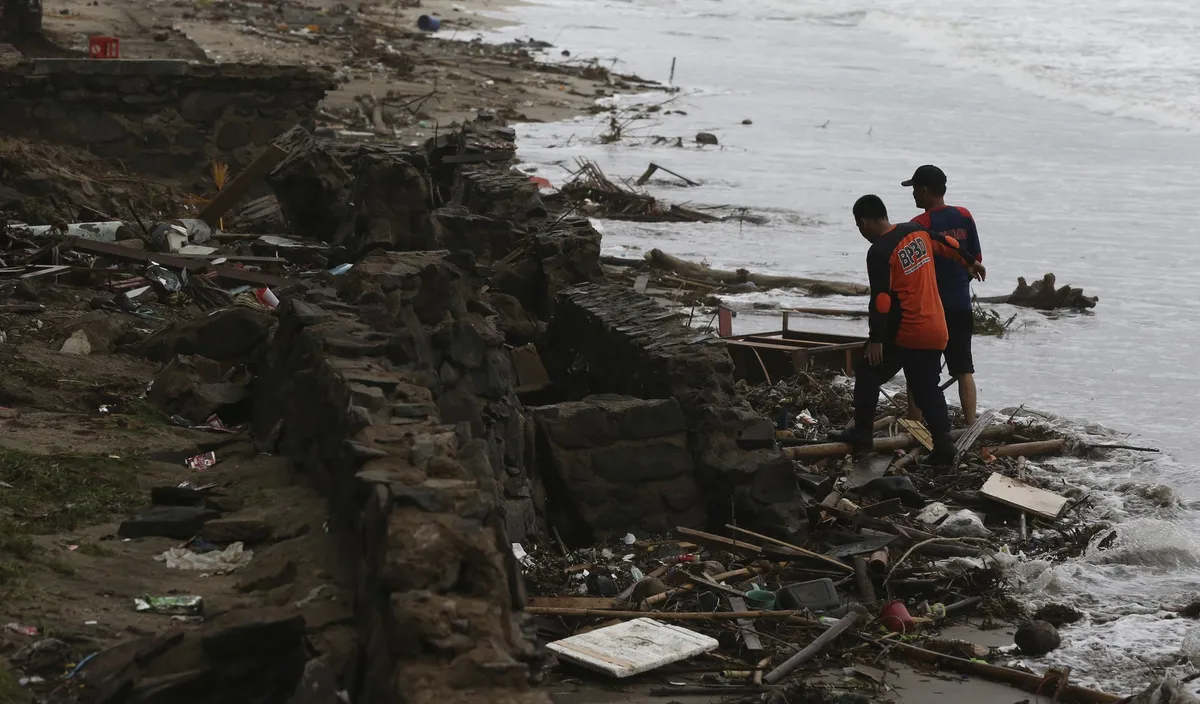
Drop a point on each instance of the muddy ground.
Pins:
(80, 450)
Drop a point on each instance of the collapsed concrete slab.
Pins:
(162, 117)
(606, 338)
(617, 464)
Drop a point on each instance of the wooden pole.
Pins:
(862, 574)
(659, 615)
(879, 562)
(902, 441)
(1041, 447)
(660, 598)
(241, 184)
(807, 553)
(814, 648)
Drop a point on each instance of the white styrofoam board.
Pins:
(632, 647)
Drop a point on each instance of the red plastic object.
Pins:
(895, 617)
(104, 47)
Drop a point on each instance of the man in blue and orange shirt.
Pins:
(907, 323)
(929, 193)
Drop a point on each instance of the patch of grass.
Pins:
(17, 544)
(144, 410)
(55, 493)
(61, 568)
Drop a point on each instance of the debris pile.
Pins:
(1043, 295)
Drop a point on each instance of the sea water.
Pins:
(1068, 128)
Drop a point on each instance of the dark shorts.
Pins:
(960, 324)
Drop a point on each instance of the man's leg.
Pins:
(867, 380)
(922, 369)
(959, 362)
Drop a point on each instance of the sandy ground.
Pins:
(423, 82)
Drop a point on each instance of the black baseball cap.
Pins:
(927, 175)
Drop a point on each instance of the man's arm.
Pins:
(879, 272)
(949, 248)
(972, 235)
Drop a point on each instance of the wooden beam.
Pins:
(241, 184)
(799, 550)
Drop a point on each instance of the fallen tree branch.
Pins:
(661, 260)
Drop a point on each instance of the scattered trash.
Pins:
(186, 605)
(964, 524)
(23, 630)
(202, 462)
(216, 562)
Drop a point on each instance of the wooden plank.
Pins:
(1012, 492)
(241, 184)
(918, 430)
(632, 647)
(720, 542)
(745, 625)
(968, 438)
(170, 260)
(571, 602)
(796, 548)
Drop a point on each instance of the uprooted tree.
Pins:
(1042, 295)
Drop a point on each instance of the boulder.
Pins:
(233, 334)
(177, 522)
(392, 206)
(706, 138)
(1036, 638)
(312, 187)
(195, 388)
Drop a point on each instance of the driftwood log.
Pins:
(696, 272)
(1043, 295)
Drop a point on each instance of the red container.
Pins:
(104, 47)
(895, 617)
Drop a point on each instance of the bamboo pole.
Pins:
(1041, 447)
(814, 648)
(901, 441)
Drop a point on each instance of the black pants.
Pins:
(922, 369)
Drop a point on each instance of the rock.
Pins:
(178, 522)
(231, 335)
(1057, 615)
(237, 530)
(896, 486)
(747, 121)
(1169, 691)
(319, 685)
(267, 573)
(1037, 638)
(706, 138)
(78, 344)
(646, 588)
(195, 388)
(255, 635)
(391, 202)
(176, 496)
(225, 504)
(312, 187)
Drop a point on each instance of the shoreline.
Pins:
(452, 114)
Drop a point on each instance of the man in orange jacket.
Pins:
(907, 322)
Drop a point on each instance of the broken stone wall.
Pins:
(394, 396)
(615, 464)
(606, 338)
(163, 117)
